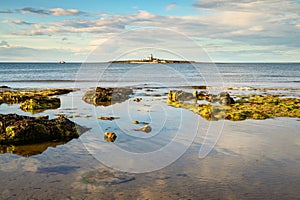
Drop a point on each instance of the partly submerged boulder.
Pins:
(179, 96)
(107, 96)
(225, 99)
(17, 129)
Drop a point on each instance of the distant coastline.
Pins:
(151, 60)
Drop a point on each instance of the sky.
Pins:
(224, 30)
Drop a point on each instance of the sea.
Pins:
(45, 75)
(183, 156)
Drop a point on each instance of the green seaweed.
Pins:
(258, 107)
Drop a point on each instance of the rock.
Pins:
(225, 99)
(146, 129)
(40, 104)
(135, 122)
(4, 87)
(256, 107)
(110, 136)
(179, 96)
(202, 95)
(33, 100)
(107, 96)
(17, 129)
(137, 99)
(107, 118)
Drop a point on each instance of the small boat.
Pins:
(62, 62)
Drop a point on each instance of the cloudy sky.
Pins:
(227, 30)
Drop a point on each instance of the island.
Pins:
(150, 60)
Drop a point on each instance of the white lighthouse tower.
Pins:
(150, 57)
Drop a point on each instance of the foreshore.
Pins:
(247, 151)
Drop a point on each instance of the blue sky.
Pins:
(227, 30)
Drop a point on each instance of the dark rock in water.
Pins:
(137, 99)
(107, 96)
(17, 129)
(4, 87)
(110, 136)
(179, 96)
(225, 99)
(146, 129)
(135, 122)
(107, 118)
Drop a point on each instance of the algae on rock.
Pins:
(257, 107)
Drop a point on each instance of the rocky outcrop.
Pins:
(257, 107)
(107, 96)
(34, 100)
(40, 103)
(17, 129)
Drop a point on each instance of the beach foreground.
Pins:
(251, 158)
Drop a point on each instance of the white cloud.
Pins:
(51, 11)
(265, 25)
(63, 12)
(170, 6)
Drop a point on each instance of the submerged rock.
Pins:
(17, 129)
(107, 96)
(106, 177)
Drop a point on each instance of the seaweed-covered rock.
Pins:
(40, 104)
(107, 96)
(202, 95)
(225, 99)
(17, 129)
(34, 100)
(257, 107)
(179, 96)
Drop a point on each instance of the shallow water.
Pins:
(251, 159)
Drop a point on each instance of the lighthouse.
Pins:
(150, 57)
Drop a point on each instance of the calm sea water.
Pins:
(282, 75)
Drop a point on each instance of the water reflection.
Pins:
(28, 149)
